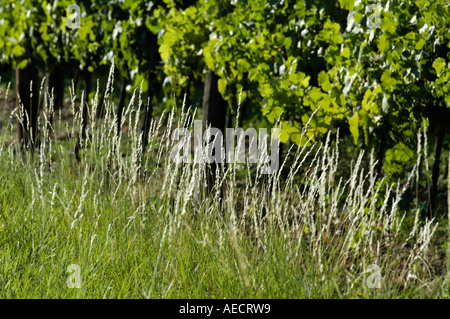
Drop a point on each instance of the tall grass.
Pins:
(142, 226)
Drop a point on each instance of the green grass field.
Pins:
(137, 225)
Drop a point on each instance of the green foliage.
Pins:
(131, 40)
(394, 72)
(31, 32)
(377, 70)
(380, 68)
(266, 50)
(181, 47)
(35, 31)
